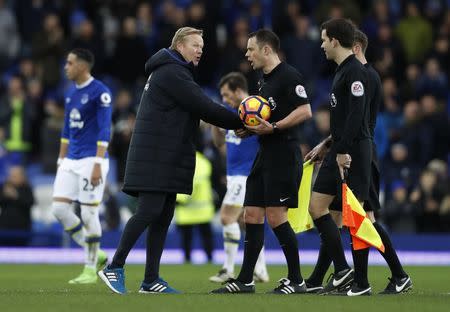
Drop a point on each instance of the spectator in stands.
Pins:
(392, 118)
(301, 49)
(398, 167)
(129, 54)
(426, 200)
(415, 33)
(398, 214)
(435, 127)
(408, 87)
(123, 119)
(16, 118)
(441, 53)
(318, 128)
(145, 27)
(85, 37)
(16, 200)
(414, 135)
(387, 53)
(9, 36)
(48, 48)
(433, 81)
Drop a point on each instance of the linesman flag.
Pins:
(299, 218)
(354, 217)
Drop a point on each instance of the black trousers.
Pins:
(187, 231)
(154, 212)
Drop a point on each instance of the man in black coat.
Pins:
(161, 157)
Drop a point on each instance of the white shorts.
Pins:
(73, 180)
(235, 191)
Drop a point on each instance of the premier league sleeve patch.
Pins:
(300, 91)
(357, 88)
(105, 98)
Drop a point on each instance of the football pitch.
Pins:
(45, 288)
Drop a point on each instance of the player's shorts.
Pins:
(235, 194)
(329, 181)
(275, 176)
(73, 180)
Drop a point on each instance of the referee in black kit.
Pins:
(400, 281)
(350, 148)
(273, 183)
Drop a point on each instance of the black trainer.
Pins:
(286, 287)
(313, 289)
(397, 286)
(356, 290)
(233, 286)
(337, 281)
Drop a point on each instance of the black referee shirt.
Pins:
(375, 94)
(349, 107)
(284, 88)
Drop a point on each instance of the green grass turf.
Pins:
(44, 288)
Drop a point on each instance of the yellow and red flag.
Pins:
(299, 218)
(354, 217)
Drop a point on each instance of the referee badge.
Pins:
(357, 88)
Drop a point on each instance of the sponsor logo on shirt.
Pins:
(231, 137)
(75, 119)
(357, 88)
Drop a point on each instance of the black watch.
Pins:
(275, 128)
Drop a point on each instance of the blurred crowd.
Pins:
(408, 46)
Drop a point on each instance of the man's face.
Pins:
(191, 48)
(230, 97)
(327, 45)
(73, 66)
(254, 54)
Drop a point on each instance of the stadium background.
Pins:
(408, 46)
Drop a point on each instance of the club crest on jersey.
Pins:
(300, 91)
(333, 101)
(84, 98)
(357, 88)
(272, 103)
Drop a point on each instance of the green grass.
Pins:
(44, 288)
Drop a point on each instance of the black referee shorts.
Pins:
(329, 181)
(275, 176)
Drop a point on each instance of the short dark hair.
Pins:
(234, 80)
(265, 36)
(340, 29)
(85, 55)
(361, 39)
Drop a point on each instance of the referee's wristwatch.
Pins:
(275, 128)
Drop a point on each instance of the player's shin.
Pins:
(90, 216)
(231, 238)
(70, 221)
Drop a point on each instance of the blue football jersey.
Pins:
(240, 153)
(87, 118)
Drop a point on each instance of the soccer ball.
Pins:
(253, 106)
